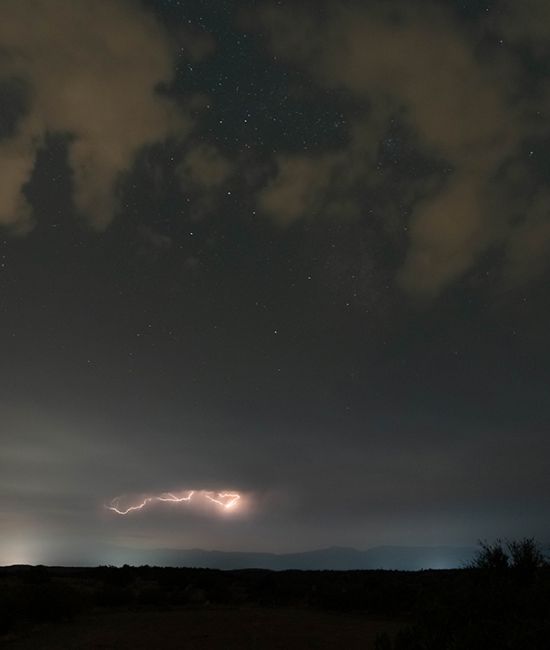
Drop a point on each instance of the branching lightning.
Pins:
(225, 500)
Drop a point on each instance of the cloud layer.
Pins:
(458, 89)
(457, 94)
(90, 70)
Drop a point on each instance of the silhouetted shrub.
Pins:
(491, 557)
(526, 558)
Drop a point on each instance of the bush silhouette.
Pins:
(526, 558)
(523, 555)
(491, 557)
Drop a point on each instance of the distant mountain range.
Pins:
(335, 558)
(405, 558)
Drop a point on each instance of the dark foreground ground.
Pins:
(169, 608)
(210, 628)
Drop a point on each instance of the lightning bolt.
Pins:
(233, 498)
(226, 500)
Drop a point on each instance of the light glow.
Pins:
(225, 500)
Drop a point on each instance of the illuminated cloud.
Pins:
(90, 70)
(301, 187)
(205, 166)
(422, 68)
(203, 173)
(526, 23)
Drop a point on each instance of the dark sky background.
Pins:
(293, 249)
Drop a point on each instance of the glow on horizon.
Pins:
(225, 500)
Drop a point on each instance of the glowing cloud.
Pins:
(225, 500)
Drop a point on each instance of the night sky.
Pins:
(294, 250)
